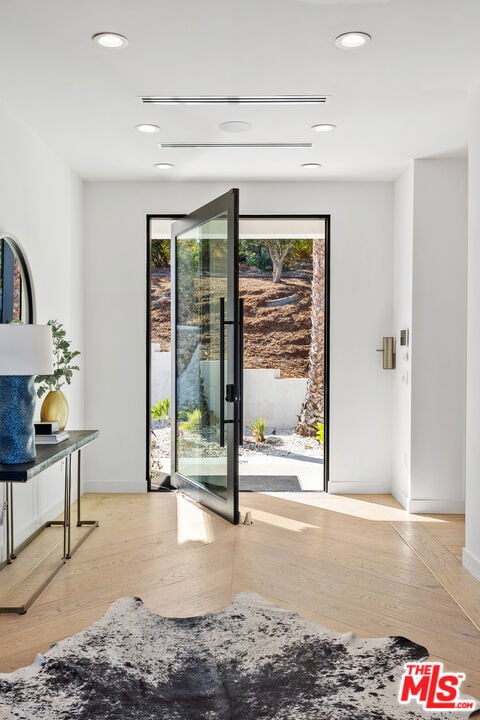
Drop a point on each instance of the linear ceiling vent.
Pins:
(235, 145)
(236, 100)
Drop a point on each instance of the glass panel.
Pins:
(201, 282)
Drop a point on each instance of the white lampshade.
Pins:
(26, 349)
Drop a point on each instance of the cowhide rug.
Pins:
(251, 661)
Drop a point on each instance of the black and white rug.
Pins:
(251, 661)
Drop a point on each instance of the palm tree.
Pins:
(312, 410)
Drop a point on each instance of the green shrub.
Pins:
(255, 254)
(259, 428)
(194, 420)
(320, 434)
(160, 253)
(301, 250)
(160, 410)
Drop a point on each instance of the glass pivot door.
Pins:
(206, 356)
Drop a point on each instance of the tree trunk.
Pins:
(312, 411)
(277, 269)
(278, 251)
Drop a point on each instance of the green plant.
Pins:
(160, 410)
(255, 254)
(259, 428)
(320, 434)
(63, 366)
(300, 250)
(194, 420)
(160, 253)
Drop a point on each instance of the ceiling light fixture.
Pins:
(235, 100)
(110, 40)
(147, 128)
(323, 127)
(233, 145)
(353, 39)
(234, 126)
(164, 166)
(311, 166)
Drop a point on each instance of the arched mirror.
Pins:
(16, 288)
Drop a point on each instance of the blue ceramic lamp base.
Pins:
(17, 408)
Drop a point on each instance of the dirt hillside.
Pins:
(276, 336)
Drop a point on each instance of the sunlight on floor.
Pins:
(279, 521)
(193, 523)
(379, 508)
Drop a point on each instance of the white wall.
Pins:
(402, 320)
(430, 278)
(439, 336)
(361, 313)
(471, 553)
(161, 369)
(268, 395)
(41, 206)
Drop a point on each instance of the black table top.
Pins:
(47, 455)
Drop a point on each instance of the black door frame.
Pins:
(327, 220)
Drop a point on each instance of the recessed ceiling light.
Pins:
(147, 128)
(311, 166)
(164, 166)
(353, 39)
(323, 127)
(110, 40)
(234, 126)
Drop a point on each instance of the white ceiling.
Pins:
(403, 96)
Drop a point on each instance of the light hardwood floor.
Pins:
(356, 563)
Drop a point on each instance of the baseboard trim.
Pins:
(359, 488)
(21, 534)
(114, 487)
(437, 507)
(400, 497)
(471, 563)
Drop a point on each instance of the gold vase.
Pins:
(55, 407)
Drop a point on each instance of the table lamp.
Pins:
(25, 351)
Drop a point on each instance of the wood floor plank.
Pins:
(357, 563)
(457, 581)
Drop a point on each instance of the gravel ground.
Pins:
(284, 443)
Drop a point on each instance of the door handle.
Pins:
(229, 393)
(240, 370)
(222, 372)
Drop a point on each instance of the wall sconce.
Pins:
(388, 351)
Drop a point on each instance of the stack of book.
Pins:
(47, 433)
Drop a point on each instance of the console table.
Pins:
(47, 455)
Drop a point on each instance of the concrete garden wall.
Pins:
(266, 394)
